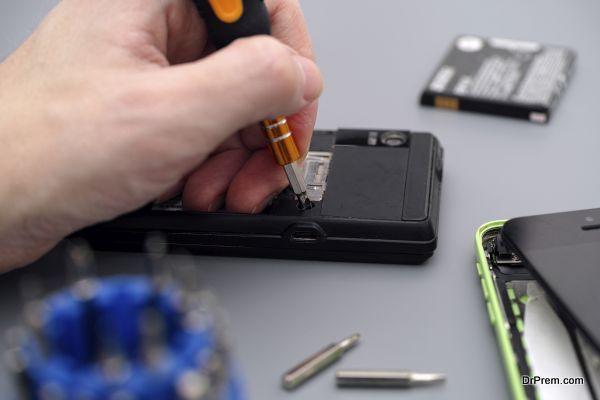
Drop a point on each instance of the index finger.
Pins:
(289, 25)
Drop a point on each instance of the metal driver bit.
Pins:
(298, 184)
(374, 378)
(317, 362)
(283, 146)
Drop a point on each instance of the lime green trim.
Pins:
(515, 309)
(495, 310)
(520, 325)
(511, 293)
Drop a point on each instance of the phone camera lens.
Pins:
(394, 138)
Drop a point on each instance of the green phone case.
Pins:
(495, 313)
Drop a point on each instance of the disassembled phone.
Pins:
(537, 338)
(375, 195)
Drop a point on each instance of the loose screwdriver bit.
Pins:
(374, 378)
(317, 362)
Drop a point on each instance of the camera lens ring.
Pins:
(394, 138)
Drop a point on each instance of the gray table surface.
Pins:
(376, 57)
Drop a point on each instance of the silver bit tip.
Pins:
(304, 202)
(349, 342)
(296, 178)
(425, 379)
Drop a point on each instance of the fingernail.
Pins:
(313, 80)
(217, 204)
(268, 201)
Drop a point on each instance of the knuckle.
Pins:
(131, 103)
(130, 94)
(275, 62)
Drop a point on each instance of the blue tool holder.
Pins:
(62, 361)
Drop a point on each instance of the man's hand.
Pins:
(106, 108)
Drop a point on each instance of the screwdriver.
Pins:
(228, 20)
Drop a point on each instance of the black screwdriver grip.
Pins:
(254, 21)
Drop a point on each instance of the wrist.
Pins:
(18, 246)
(20, 206)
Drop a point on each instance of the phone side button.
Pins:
(479, 271)
(491, 313)
(484, 290)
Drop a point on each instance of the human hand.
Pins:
(104, 109)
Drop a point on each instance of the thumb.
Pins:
(205, 102)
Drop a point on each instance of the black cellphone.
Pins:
(376, 196)
(561, 251)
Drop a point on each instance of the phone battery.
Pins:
(505, 77)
